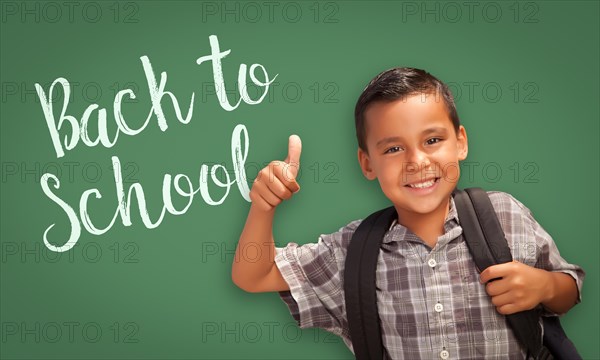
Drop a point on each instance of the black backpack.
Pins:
(487, 245)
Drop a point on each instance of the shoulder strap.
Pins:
(481, 228)
(360, 284)
(488, 246)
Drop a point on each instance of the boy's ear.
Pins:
(365, 164)
(463, 144)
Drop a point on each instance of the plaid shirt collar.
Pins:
(397, 231)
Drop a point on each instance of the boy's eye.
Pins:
(393, 149)
(433, 141)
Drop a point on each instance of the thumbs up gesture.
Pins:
(277, 181)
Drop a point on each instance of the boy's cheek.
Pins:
(451, 172)
(389, 186)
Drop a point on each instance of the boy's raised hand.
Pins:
(277, 181)
(517, 287)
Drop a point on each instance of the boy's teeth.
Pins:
(422, 185)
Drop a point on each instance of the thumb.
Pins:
(293, 156)
(294, 150)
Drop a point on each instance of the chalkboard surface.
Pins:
(128, 146)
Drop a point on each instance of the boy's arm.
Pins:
(254, 268)
(562, 292)
(546, 278)
(523, 287)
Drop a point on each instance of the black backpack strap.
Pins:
(555, 339)
(482, 231)
(488, 246)
(360, 284)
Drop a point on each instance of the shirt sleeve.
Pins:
(314, 274)
(547, 255)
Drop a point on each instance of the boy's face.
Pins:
(412, 141)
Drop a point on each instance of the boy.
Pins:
(432, 302)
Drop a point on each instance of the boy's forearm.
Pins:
(255, 252)
(562, 292)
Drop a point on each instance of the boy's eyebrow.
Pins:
(436, 129)
(387, 140)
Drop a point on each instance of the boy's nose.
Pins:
(417, 160)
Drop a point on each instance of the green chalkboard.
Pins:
(112, 282)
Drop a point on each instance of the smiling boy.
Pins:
(432, 302)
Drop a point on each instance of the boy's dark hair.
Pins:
(399, 83)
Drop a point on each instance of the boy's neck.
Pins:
(429, 226)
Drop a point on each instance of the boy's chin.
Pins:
(426, 209)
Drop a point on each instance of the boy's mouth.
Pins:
(424, 184)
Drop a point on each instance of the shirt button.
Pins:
(432, 262)
(444, 354)
(438, 307)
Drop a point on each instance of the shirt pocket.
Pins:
(464, 276)
(401, 307)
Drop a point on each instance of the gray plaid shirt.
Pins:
(430, 301)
